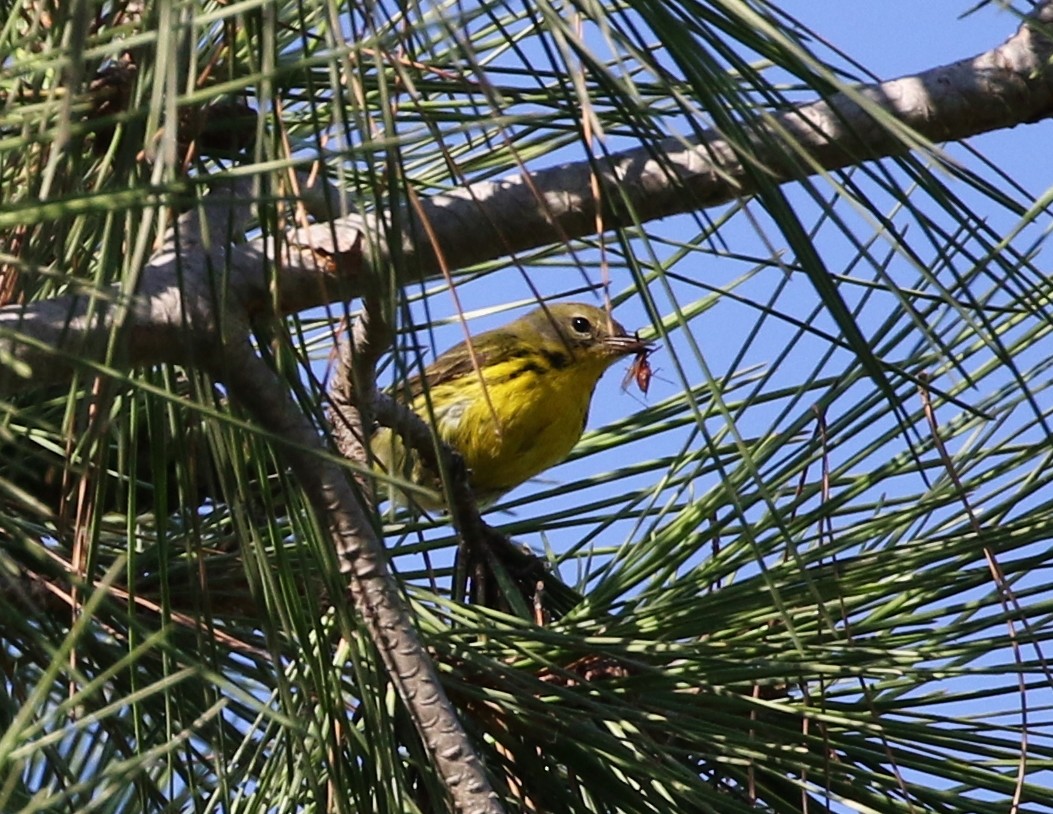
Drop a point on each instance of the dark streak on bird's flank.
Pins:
(526, 367)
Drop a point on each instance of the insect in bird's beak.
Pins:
(640, 369)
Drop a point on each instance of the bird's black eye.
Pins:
(581, 325)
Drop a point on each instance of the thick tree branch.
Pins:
(999, 88)
(353, 389)
(174, 315)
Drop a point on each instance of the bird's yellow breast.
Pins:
(528, 418)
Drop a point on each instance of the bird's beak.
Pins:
(624, 344)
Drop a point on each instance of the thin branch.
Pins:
(353, 388)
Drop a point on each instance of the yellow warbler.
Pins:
(524, 407)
